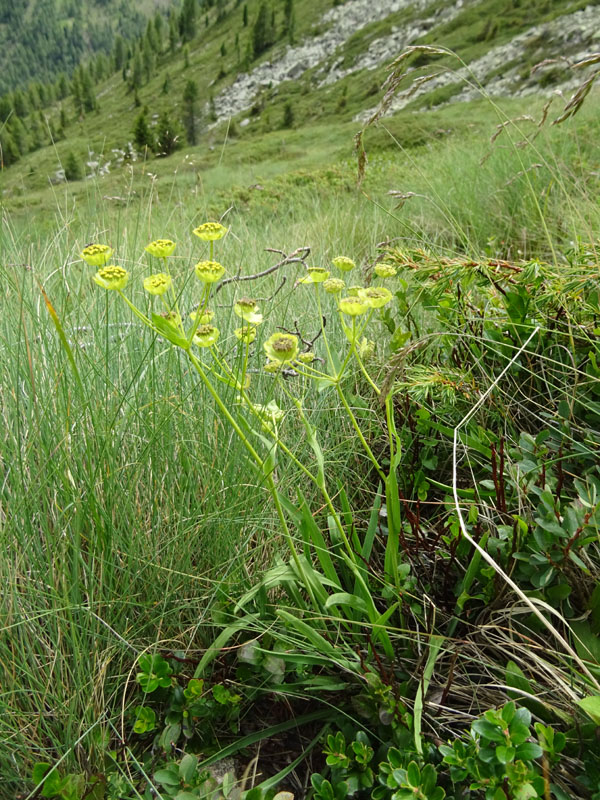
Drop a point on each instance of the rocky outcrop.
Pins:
(571, 37)
(341, 21)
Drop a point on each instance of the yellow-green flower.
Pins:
(247, 309)
(158, 284)
(206, 335)
(112, 277)
(343, 263)
(366, 348)
(205, 316)
(375, 296)
(247, 334)
(272, 366)
(210, 231)
(354, 290)
(281, 347)
(315, 275)
(209, 271)
(160, 248)
(172, 317)
(353, 306)
(385, 270)
(96, 255)
(334, 285)
(306, 358)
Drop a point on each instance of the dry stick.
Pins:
(528, 601)
(297, 257)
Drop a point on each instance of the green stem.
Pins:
(323, 328)
(261, 464)
(359, 433)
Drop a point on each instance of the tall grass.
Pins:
(129, 514)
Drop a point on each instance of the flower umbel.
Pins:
(354, 290)
(96, 255)
(206, 335)
(160, 248)
(353, 306)
(334, 285)
(209, 271)
(375, 297)
(210, 231)
(247, 309)
(205, 316)
(247, 334)
(385, 270)
(158, 284)
(343, 263)
(281, 347)
(112, 277)
(315, 275)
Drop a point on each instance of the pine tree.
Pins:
(288, 116)
(119, 53)
(73, 167)
(289, 20)
(173, 34)
(262, 31)
(245, 16)
(142, 135)
(190, 97)
(149, 59)
(168, 136)
(187, 20)
(137, 72)
(9, 152)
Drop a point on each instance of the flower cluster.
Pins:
(210, 231)
(96, 255)
(160, 248)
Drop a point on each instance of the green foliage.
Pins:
(73, 167)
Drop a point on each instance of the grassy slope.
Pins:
(121, 515)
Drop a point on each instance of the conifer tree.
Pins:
(245, 16)
(262, 31)
(190, 97)
(73, 167)
(142, 135)
(168, 136)
(187, 20)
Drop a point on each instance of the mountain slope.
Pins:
(326, 67)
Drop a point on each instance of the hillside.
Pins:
(243, 73)
(39, 39)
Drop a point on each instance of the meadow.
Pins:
(373, 574)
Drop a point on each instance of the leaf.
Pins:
(529, 751)
(346, 599)
(168, 331)
(187, 767)
(591, 706)
(168, 777)
(587, 643)
(39, 771)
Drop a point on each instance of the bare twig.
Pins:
(299, 256)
